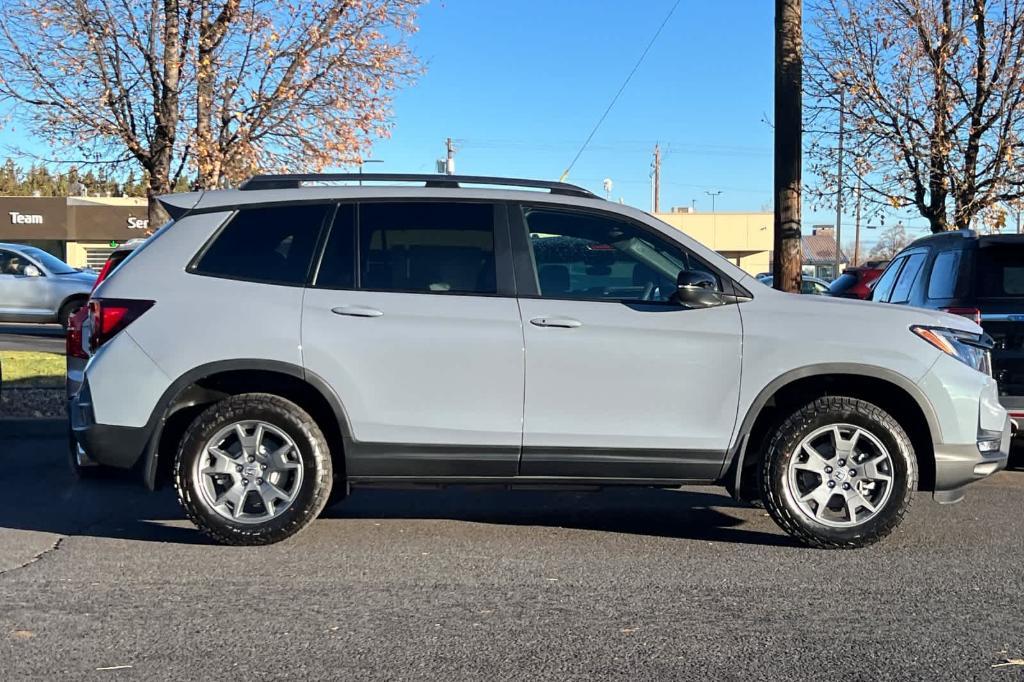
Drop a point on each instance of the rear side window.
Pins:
(884, 286)
(908, 275)
(944, 275)
(427, 247)
(271, 244)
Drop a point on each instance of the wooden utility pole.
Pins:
(656, 178)
(788, 130)
(856, 229)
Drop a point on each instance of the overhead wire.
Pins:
(611, 104)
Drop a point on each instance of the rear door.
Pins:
(621, 382)
(412, 319)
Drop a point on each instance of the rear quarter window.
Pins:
(945, 272)
(267, 244)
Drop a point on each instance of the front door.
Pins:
(23, 296)
(620, 380)
(412, 319)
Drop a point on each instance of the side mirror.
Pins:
(32, 271)
(697, 289)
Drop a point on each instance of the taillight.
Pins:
(111, 315)
(73, 338)
(973, 314)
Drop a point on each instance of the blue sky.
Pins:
(519, 85)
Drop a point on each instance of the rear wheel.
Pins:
(839, 473)
(68, 310)
(253, 469)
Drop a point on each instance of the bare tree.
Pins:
(215, 88)
(890, 242)
(933, 94)
(788, 74)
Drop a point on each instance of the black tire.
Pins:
(68, 309)
(783, 446)
(283, 414)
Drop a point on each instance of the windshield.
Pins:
(53, 265)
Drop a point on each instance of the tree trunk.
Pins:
(788, 134)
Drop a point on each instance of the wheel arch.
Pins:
(202, 386)
(891, 391)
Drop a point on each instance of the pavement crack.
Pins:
(46, 552)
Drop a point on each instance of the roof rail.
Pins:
(294, 181)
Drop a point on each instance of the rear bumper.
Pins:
(958, 465)
(114, 446)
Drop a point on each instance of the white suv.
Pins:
(281, 343)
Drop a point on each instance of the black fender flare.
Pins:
(735, 456)
(176, 398)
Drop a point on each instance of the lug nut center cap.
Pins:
(252, 471)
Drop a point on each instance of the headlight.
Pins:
(970, 349)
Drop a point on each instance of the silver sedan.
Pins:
(36, 286)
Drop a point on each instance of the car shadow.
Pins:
(41, 495)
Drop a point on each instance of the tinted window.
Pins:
(266, 244)
(586, 256)
(1000, 270)
(908, 275)
(338, 265)
(944, 273)
(884, 285)
(427, 247)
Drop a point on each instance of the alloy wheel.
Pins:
(840, 475)
(249, 472)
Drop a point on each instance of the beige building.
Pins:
(746, 239)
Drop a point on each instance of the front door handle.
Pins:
(356, 311)
(562, 322)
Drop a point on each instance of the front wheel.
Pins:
(253, 469)
(839, 473)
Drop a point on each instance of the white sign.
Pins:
(137, 223)
(25, 218)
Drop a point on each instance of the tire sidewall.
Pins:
(868, 417)
(316, 472)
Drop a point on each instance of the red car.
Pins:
(856, 282)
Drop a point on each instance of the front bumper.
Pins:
(958, 465)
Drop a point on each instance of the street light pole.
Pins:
(713, 195)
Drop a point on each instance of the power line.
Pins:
(624, 84)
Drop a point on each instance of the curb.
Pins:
(13, 429)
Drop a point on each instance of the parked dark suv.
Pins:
(977, 276)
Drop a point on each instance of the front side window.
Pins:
(589, 256)
(427, 247)
(53, 264)
(884, 285)
(268, 244)
(908, 275)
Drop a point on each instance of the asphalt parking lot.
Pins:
(46, 338)
(106, 581)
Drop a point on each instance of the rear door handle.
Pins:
(356, 311)
(562, 322)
